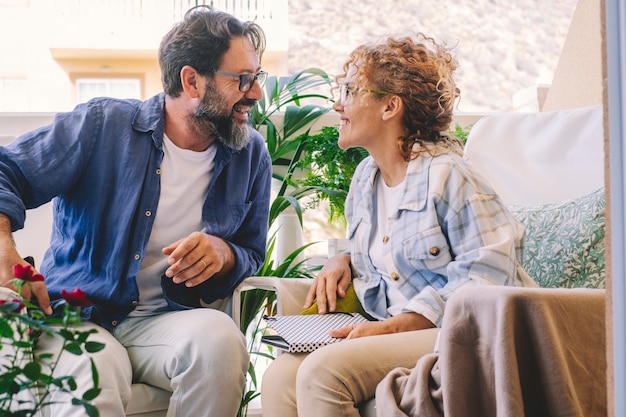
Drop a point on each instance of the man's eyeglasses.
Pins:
(246, 80)
(346, 90)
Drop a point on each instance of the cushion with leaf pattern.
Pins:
(564, 243)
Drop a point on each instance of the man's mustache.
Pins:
(247, 102)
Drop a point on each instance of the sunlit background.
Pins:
(57, 53)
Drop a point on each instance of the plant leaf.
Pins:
(93, 347)
(74, 348)
(91, 394)
(32, 370)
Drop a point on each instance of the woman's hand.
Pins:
(404, 322)
(331, 282)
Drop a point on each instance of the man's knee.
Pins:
(114, 373)
(215, 340)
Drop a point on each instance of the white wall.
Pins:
(34, 239)
(578, 80)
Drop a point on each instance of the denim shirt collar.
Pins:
(149, 118)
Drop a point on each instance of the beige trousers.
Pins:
(334, 380)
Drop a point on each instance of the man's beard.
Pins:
(212, 118)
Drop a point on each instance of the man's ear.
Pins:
(393, 108)
(190, 80)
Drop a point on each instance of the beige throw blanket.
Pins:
(508, 352)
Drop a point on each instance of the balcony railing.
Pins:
(265, 10)
(135, 24)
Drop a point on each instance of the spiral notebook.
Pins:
(305, 333)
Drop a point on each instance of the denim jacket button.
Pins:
(434, 251)
(395, 276)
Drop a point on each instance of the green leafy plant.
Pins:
(27, 377)
(329, 168)
(287, 94)
(286, 121)
(461, 132)
(286, 118)
(257, 302)
(292, 266)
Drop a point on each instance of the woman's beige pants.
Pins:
(333, 380)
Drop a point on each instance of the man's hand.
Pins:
(331, 282)
(8, 259)
(198, 257)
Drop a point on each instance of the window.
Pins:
(13, 94)
(88, 88)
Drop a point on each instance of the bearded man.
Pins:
(160, 207)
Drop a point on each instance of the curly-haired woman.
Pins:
(423, 225)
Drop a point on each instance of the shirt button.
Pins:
(385, 239)
(148, 213)
(114, 323)
(434, 251)
(395, 276)
(137, 257)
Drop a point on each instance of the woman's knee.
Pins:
(322, 369)
(278, 386)
(281, 373)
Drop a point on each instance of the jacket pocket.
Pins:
(428, 250)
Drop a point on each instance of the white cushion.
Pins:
(539, 158)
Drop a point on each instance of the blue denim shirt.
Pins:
(449, 231)
(100, 164)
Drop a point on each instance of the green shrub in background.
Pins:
(328, 167)
(460, 132)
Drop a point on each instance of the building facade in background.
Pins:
(57, 53)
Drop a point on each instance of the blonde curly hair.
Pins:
(420, 72)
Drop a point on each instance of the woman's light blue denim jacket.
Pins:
(450, 230)
(100, 163)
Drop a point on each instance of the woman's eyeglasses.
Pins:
(246, 80)
(346, 91)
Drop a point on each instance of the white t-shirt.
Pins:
(387, 202)
(185, 177)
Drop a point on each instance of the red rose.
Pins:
(76, 298)
(26, 273)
